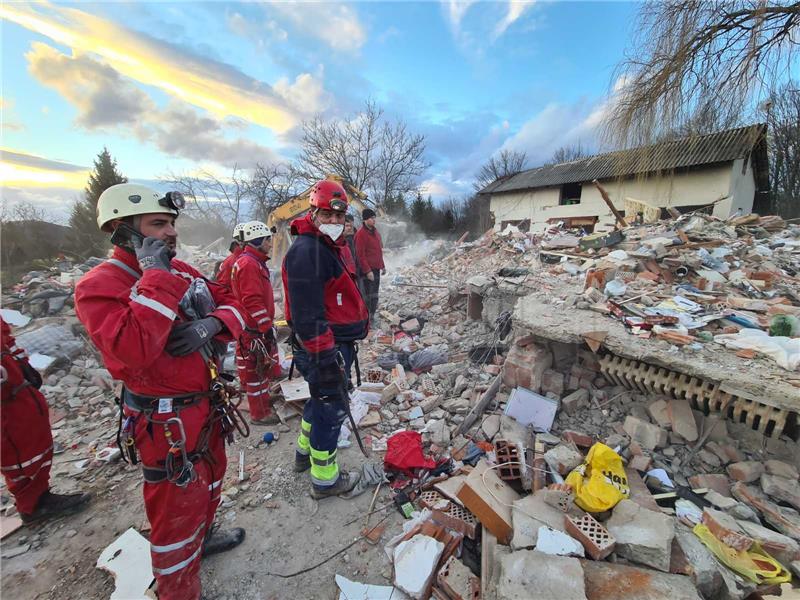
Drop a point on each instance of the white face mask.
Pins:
(332, 230)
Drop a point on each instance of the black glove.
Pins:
(186, 338)
(152, 253)
(31, 375)
(328, 380)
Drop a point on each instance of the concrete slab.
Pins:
(643, 536)
(527, 574)
(607, 581)
(766, 384)
(128, 559)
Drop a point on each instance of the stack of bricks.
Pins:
(525, 365)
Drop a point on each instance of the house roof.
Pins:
(720, 147)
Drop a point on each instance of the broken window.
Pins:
(570, 194)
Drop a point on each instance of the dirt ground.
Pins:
(286, 533)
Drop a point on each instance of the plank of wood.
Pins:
(488, 545)
(478, 409)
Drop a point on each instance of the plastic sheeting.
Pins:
(428, 357)
(783, 350)
(52, 340)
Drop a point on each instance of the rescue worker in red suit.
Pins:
(327, 315)
(257, 350)
(140, 309)
(27, 446)
(369, 251)
(224, 271)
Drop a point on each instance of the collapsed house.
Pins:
(727, 169)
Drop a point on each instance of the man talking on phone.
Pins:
(154, 319)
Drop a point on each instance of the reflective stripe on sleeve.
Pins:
(156, 306)
(234, 311)
(260, 312)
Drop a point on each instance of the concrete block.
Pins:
(525, 574)
(609, 581)
(414, 564)
(553, 382)
(781, 469)
(725, 528)
(530, 513)
(648, 435)
(457, 580)
(658, 412)
(556, 543)
(784, 519)
(493, 509)
(714, 481)
(573, 401)
(564, 457)
(641, 463)
(747, 471)
(683, 423)
(781, 488)
(782, 547)
(643, 536)
(596, 540)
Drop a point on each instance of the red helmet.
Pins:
(328, 195)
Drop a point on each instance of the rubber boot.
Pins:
(302, 462)
(272, 419)
(346, 482)
(52, 505)
(221, 541)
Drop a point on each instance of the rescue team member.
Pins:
(369, 249)
(174, 415)
(349, 250)
(327, 315)
(224, 271)
(27, 446)
(257, 350)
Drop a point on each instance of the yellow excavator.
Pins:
(281, 217)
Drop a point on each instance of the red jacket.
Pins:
(251, 285)
(369, 249)
(323, 304)
(129, 316)
(12, 361)
(224, 273)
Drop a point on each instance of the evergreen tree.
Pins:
(85, 238)
(418, 212)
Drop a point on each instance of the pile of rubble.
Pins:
(506, 428)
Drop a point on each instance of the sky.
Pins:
(177, 87)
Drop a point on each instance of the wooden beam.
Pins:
(607, 199)
(478, 409)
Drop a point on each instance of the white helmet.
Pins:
(237, 231)
(128, 199)
(253, 230)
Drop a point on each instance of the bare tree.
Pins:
(23, 211)
(211, 197)
(504, 164)
(568, 153)
(692, 56)
(783, 119)
(376, 156)
(272, 185)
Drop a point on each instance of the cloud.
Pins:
(21, 169)
(101, 96)
(336, 25)
(104, 99)
(212, 85)
(306, 95)
(8, 115)
(455, 11)
(516, 8)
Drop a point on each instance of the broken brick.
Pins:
(725, 528)
(641, 462)
(713, 481)
(648, 435)
(682, 418)
(747, 471)
(579, 439)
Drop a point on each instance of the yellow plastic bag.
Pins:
(600, 482)
(754, 564)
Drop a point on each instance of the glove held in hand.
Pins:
(186, 338)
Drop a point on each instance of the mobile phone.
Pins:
(123, 236)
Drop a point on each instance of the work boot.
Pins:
(346, 482)
(221, 541)
(272, 419)
(302, 462)
(52, 505)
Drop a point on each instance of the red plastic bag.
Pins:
(404, 453)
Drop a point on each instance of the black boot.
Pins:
(221, 541)
(346, 482)
(302, 462)
(52, 505)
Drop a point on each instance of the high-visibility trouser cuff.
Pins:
(304, 439)
(324, 468)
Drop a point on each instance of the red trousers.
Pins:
(180, 516)
(254, 385)
(27, 447)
